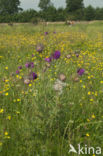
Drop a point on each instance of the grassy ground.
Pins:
(35, 120)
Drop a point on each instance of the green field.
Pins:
(35, 118)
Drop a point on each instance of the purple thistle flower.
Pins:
(32, 55)
(80, 71)
(77, 55)
(46, 33)
(48, 59)
(34, 76)
(17, 72)
(32, 65)
(27, 65)
(20, 67)
(56, 55)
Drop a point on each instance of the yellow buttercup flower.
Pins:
(18, 100)
(91, 100)
(96, 94)
(88, 120)
(20, 77)
(30, 85)
(89, 93)
(8, 137)
(84, 86)
(17, 112)
(6, 68)
(9, 117)
(6, 133)
(93, 116)
(6, 94)
(6, 80)
(1, 111)
(87, 135)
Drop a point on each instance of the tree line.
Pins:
(10, 11)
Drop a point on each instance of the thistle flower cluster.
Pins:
(56, 55)
(31, 75)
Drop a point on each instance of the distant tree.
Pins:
(75, 9)
(73, 5)
(28, 16)
(61, 14)
(89, 13)
(44, 4)
(9, 6)
(50, 14)
(99, 13)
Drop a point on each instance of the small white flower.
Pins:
(59, 85)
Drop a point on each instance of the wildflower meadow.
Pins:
(51, 89)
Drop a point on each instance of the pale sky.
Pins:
(27, 4)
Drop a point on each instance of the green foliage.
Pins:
(73, 5)
(25, 16)
(61, 14)
(53, 14)
(75, 9)
(9, 6)
(44, 4)
(77, 15)
(90, 13)
(50, 14)
(10, 12)
(99, 14)
(35, 20)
